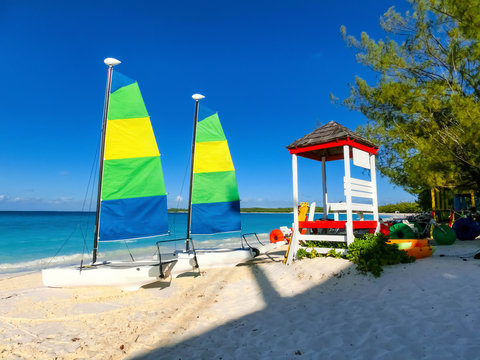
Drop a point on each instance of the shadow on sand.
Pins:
(251, 336)
(425, 309)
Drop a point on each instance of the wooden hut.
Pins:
(328, 143)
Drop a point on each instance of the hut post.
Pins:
(324, 184)
(348, 194)
(294, 241)
(373, 177)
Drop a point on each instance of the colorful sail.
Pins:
(215, 199)
(133, 199)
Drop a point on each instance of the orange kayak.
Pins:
(418, 248)
(414, 242)
(421, 252)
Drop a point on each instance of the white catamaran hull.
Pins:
(265, 248)
(127, 276)
(130, 276)
(210, 258)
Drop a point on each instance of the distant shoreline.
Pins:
(263, 211)
(170, 211)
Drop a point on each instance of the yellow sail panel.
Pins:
(212, 156)
(130, 138)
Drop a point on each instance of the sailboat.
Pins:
(214, 202)
(132, 200)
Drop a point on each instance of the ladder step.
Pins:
(336, 238)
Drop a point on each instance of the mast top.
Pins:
(111, 61)
(197, 97)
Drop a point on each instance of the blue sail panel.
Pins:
(211, 218)
(119, 80)
(133, 218)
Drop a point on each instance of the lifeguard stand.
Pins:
(327, 143)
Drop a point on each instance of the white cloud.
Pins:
(29, 203)
(61, 200)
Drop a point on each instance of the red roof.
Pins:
(328, 141)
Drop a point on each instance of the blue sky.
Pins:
(267, 67)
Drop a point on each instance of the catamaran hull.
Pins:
(210, 258)
(126, 276)
(263, 249)
(133, 275)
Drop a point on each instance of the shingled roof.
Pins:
(329, 133)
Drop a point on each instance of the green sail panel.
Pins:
(215, 199)
(135, 177)
(223, 183)
(127, 103)
(133, 196)
(210, 129)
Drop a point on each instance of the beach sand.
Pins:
(314, 309)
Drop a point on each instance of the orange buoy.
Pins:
(418, 248)
(420, 252)
(276, 236)
(413, 242)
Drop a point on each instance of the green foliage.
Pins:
(335, 254)
(313, 254)
(326, 244)
(403, 207)
(424, 108)
(371, 253)
(301, 253)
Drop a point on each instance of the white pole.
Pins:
(293, 246)
(295, 189)
(348, 192)
(324, 183)
(110, 62)
(197, 98)
(373, 177)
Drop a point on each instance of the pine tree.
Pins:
(424, 110)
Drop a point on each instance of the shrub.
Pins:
(326, 244)
(371, 253)
(333, 253)
(301, 253)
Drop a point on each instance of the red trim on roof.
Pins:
(331, 224)
(336, 143)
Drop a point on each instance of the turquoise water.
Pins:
(34, 240)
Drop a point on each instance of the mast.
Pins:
(111, 62)
(197, 98)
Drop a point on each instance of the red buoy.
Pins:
(276, 236)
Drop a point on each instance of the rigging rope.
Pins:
(93, 170)
(63, 244)
(83, 212)
(178, 203)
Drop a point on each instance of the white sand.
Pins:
(313, 309)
